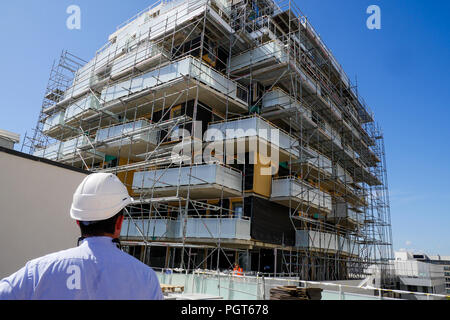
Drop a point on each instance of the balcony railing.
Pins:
(51, 152)
(203, 180)
(342, 174)
(196, 228)
(254, 127)
(150, 228)
(190, 68)
(292, 191)
(316, 240)
(53, 121)
(319, 161)
(78, 147)
(279, 98)
(223, 228)
(344, 211)
(82, 108)
(269, 51)
(136, 133)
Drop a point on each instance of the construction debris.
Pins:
(295, 293)
(167, 288)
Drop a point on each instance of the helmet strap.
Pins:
(116, 241)
(80, 239)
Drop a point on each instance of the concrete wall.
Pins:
(6, 143)
(35, 199)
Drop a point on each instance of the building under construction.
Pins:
(171, 97)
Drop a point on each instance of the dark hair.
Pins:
(98, 228)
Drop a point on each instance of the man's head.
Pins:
(98, 205)
(110, 227)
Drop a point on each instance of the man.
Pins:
(95, 270)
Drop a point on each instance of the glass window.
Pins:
(238, 209)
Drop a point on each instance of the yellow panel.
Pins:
(209, 61)
(126, 177)
(262, 184)
(174, 111)
(212, 202)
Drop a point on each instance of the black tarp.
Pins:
(270, 222)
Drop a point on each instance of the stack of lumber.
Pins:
(295, 293)
(166, 288)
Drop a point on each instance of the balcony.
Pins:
(205, 181)
(217, 228)
(295, 193)
(206, 228)
(74, 151)
(272, 59)
(78, 151)
(167, 82)
(254, 127)
(53, 125)
(325, 242)
(344, 213)
(129, 139)
(143, 58)
(316, 165)
(264, 55)
(342, 175)
(51, 152)
(277, 99)
(155, 228)
(81, 109)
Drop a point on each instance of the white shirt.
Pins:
(96, 270)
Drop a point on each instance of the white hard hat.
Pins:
(99, 197)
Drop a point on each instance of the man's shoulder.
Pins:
(66, 254)
(129, 260)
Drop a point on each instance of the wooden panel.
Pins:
(126, 177)
(262, 184)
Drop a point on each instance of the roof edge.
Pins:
(43, 160)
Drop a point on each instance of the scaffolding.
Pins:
(181, 67)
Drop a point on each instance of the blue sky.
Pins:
(403, 72)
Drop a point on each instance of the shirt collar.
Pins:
(98, 241)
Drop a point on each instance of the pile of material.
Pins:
(166, 288)
(295, 293)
